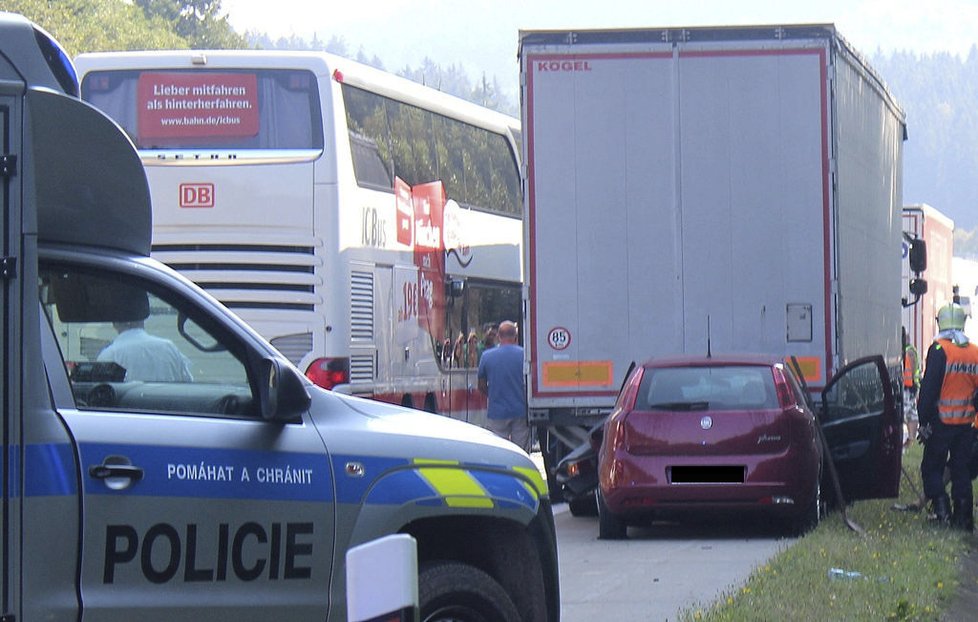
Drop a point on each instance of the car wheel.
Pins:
(610, 527)
(455, 592)
(810, 517)
(583, 506)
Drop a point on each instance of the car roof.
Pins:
(715, 360)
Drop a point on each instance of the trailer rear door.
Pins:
(678, 201)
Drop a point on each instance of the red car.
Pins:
(702, 434)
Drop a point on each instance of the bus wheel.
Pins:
(429, 404)
(407, 402)
(454, 592)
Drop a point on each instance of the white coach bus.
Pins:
(368, 226)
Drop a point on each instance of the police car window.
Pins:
(126, 347)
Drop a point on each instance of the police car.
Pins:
(231, 491)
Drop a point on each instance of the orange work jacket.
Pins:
(960, 382)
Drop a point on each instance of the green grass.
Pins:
(909, 568)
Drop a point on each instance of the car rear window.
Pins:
(707, 388)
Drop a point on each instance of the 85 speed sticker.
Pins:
(559, 338)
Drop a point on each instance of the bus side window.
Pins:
(472, 320)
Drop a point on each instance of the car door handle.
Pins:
(105, 471)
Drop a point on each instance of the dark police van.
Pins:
(161, 461)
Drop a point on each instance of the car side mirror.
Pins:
(282, 392)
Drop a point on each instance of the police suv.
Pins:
(233, 489)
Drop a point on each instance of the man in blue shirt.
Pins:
(501, 381)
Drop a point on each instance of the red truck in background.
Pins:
(924, 222)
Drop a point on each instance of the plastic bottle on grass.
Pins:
(838, 574)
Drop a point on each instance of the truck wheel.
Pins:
(454, 592)
(552, 451)
(610, 527)
(583, 506)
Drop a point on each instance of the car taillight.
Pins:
(626, 401)
(785, 396)
(329, 372)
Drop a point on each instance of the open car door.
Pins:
(863, 429)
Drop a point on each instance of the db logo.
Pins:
(559, 338)
(196, 195)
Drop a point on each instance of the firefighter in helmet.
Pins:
(947, 415)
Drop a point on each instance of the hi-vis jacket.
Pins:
(911, 367)
(960, 382)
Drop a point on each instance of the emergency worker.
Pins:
(947, 415)
(911, 386)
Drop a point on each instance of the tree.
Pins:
(97, 25)
(197, 21)
(937, 91)
(488, 94)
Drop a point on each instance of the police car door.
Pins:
(194, 506)
(863, 429)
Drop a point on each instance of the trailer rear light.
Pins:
(329, 372)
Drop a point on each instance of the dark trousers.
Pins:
(953, 440)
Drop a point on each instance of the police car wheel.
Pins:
(455, 592)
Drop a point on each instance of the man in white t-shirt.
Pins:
(146, 357)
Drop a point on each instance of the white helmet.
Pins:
(951, 316)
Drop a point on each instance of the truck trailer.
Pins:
(704, 190)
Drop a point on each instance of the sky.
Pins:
(482, 35)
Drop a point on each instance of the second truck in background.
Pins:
(691, 190)
(924, 222)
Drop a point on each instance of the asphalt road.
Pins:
(658, 571)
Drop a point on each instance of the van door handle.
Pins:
(105, 471)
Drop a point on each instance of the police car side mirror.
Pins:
(282, 392)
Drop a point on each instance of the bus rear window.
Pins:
(202, 109)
